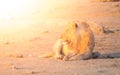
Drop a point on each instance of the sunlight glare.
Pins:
(14, 9)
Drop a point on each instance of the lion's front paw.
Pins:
(66, 58)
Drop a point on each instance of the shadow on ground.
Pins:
(109, 55)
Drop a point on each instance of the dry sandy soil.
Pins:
(19, 50)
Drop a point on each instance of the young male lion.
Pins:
(75, 43)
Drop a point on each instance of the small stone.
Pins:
(13, 67)
(45, 31)
(16, 55)
(7, 43)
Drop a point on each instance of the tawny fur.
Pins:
(80, 41)
(75, 43)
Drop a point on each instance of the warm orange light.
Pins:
(16, 14)
(13, 13)
(9, 8)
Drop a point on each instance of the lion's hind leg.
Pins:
(85, 56)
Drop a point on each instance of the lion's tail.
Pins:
(51, 54)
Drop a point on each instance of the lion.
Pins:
(75, 43)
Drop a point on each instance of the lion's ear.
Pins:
(76, 26)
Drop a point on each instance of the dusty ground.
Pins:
(19, 50)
